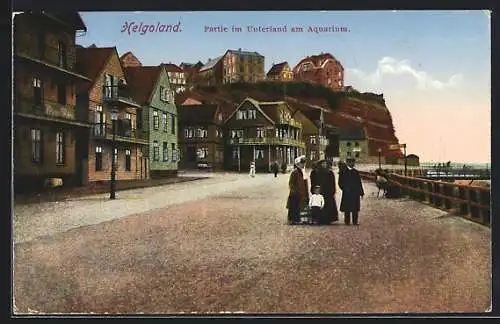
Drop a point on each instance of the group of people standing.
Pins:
(322, 203)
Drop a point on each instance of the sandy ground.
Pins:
(222, 245)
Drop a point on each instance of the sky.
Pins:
(433, 67)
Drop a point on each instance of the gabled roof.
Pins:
(210, 64)
(197, 114)
(276, 69)
(142, 81)
(90, 61)
(129, 56)
(318, 60)
(170, 67)
(256, 104)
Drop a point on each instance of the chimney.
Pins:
(239, 49)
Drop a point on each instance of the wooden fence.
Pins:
(469, 202)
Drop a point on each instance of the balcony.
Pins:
(124, 132)
(62, 60)
(50, 110)
(118, 95)
(267, 141)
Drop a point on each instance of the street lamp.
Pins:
(379, 158)
(114, 117)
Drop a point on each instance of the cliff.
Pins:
(350, 109)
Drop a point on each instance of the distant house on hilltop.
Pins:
(280, 72)
(322, 69)
(129, 59)
(176, 76)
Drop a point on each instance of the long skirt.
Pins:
(330, 213)
(293, 206)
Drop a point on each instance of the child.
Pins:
(316, 203)
(252, 169)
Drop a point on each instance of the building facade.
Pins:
(157, 119)
(176, 76)
(280, 72)
(242, 66)
(321, 69)
(191, 73)
(129, 59)
(211, 73)
(108, 92)
(353, 143)
(50, 130)
(201, 138)
(262, 132)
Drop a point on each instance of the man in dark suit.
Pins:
(352, 190)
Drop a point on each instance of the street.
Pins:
(221, 245)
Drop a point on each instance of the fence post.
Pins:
(474, 211)
(430, 190)
(485, 199)
(438, 201)
(448, 191)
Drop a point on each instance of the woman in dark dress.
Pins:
(323, 176)
(298, 197)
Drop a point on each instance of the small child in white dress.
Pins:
(316, 203)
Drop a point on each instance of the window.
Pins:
(162, 94)
(306, 67)
(36, 145)
(252, 114)
(356, 154)
(348, 153)
(61, 94)
(239, 115)
(156, 151)
(128, 164)
(59, 147)
(37, 91)
(312, 155)
(98, 158)
(156, 120)
(202, 153)
(236, 153)
(348, 144)
(356, 144)
(340, 74)
(172, 121)
(61, 53)
(313, 140)
(164, 122)
(259, 154)
(165, 151)
(174, 152)
(260, 132)
(128, 124)
(99, 121)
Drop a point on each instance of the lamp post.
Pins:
(114, 117)
(379, 158)
(406, 163)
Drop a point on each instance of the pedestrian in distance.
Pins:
(298, 197)
(316, 203)
(275, 168)
(352, 190)
(252, 169)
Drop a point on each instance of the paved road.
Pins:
(221, 245)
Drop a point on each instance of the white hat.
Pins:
(300, 159)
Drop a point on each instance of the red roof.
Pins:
(317, 60)
(141, 81)
(90, 62)
(171, 67)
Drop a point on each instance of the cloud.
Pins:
(391, 66)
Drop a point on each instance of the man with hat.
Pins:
(352, 190)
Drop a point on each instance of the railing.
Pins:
(105, 130)
(443, 173)
(49, 108)
(267, 141)
(292, 122)
(116, 93)
(470, 202)
(63, 58)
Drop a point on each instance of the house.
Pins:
(201, 137)
(280, 72)
(322, 69)
(157, 119)
(233, 66)
(242, 66)
(176, 76)
(191, 72)
(263, 132)
(211, 73)
(353, 143)
(106, 97)
(129, 59)
(50, 130)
